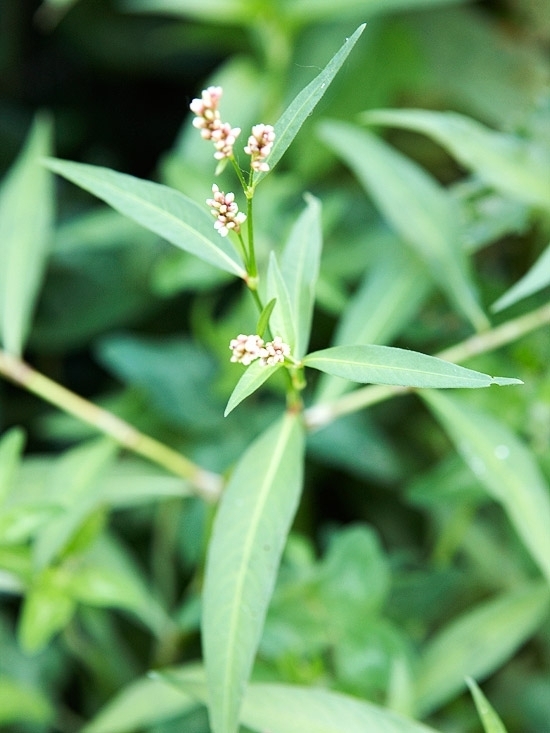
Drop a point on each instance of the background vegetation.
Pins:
(419, 555)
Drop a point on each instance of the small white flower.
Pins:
(208, 121)
(246, 348)
(259, 146)
(226, 211)
(274, 352)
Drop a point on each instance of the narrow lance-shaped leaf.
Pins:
(535, 279)
(505, 468)
(422, 212)
(477, 643)
(300, 270)
(26, 216)
(491, 722)
(282, 319)
(284, 708)
(249, 534)
(252, 379)
(162, 210)
(510, 164)
(389, 365)
(292, 119)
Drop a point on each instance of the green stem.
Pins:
(204, 483)
(320, 415)
(252, 267)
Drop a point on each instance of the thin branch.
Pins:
(205, 484)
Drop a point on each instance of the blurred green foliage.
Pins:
(408, 569)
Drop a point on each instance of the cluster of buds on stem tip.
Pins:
(247, 349)
(226, 211)
(259, 146)
(208, 121)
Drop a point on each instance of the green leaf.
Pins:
(20, 522)
(510, 164)
(309, 11)
(47, 609)
(19, 703)
(212, 11)
(535, 279)
(162, 210)
(421, 212)
(265, 315)
(26, 218)
(140, 704)
(252, 379)
(11, 449)
(249, 534)
(387, 299)
(292, 119)
(389, 365)
(505, 468)
(291, 709)
(72, 486)
(283, 317)
(491, 722)
(478, 643)
(300, 269)
(282, 708)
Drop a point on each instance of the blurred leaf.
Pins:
(158, 208)
(290, 709)
(12, 443)
(20, 522)
(477, 643)
(292, 119)
(504, 466)
(354, 443)
(138, 705)
(283, 319)
(309, 11)
(354, 576)
(535, 279)
(422, 213)
(251, 380)
(174, 373)
(232, 12)
(300, 263)
(510, 164)
(390, 365)
(132, 482)
(491, 721)
(125, 587)
(282, 708)
(47, 608)
(26, 217)
(249, 533)
(20, 703)
(388, 297)
(72, 485)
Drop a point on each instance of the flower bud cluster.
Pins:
(223, 136)
(208, 121)
(247, 349)
(225, 209)
(259, 146)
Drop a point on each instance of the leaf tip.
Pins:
(505, 381)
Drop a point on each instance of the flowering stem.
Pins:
(320, 415)
(252, 267)
(205, 484)
(239, 173)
